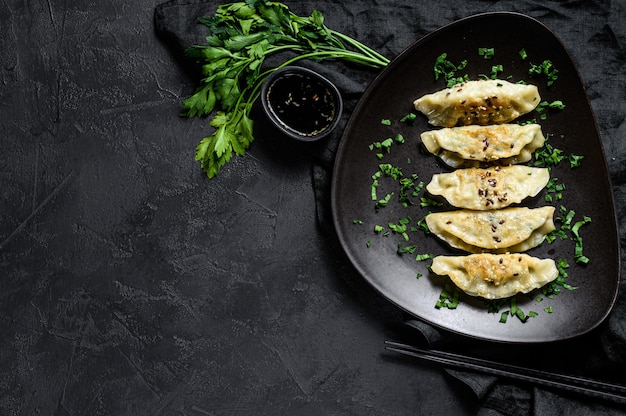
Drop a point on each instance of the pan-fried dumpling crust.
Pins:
(491, 188)
(473, 146)
(505, 230)
(480, 102)
(496, 276)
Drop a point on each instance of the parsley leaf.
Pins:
(242, 35)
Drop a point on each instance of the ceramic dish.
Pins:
(301, 103)
(573, 130)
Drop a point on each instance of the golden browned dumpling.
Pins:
(472, 146)
(478, 102)
(491, 188)
(496, 276)
(506, 230)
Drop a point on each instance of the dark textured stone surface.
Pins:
(130, 284)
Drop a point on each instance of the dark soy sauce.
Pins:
(302, 104)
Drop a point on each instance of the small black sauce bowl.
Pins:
(301, 103)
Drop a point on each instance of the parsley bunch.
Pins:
(243, 34)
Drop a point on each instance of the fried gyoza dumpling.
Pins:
(478, 102)
(492, 188)
(505, 230)
(471, 146)
(496, 276)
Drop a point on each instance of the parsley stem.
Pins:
(361, 47)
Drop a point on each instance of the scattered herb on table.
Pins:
(243, 35)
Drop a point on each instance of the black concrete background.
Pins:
(130, 284)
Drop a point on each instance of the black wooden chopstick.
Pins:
(589, 387)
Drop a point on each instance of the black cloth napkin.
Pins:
(595, 36)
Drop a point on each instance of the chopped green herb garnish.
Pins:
(504, 317)
(548, 156)
(551, 237)
(427, 202)
(375, 184)
(423, 226)
(557, 104)
(423, 257)
(401, 227)
(449, 297)
(486, 53)
(566, 217)
(446, 69)
(405, 249)
(381, 203)
(385, 122)
(547, 69)
(382, 145)
(494, 305)
(409, 189)
(554, 288)
(575, 161)
(523, 54)
(390, 170)
(409, 118)
(496, 70)
(578, 250)
(554, 190)
(515, 311)
(544, 105)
